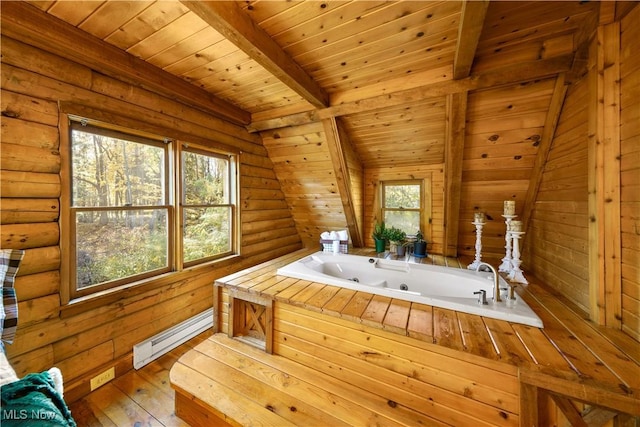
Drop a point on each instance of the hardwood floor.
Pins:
(138, 398)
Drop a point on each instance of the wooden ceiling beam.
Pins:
(24, 22)
(471, 23)
(523, 72)
(234, 24)
(337, 139)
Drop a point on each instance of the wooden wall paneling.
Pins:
(630, 174)
(302, 163)
(455, 395)
(454, 149)
(432, 176)
(550, 124)
(503, 132)
(604, 176)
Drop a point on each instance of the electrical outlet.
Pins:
(103, 378)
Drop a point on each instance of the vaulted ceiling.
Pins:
(386, 71)
(276, 59)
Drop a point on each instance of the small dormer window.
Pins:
(402, 205)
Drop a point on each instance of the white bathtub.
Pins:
(451, 288)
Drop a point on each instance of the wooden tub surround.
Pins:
(343, 357)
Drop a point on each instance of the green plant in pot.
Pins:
(380, 236)
(419, 246)
(397, 239)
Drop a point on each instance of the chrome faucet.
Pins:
(496, 281)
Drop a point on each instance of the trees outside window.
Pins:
(207, 211)
(402, 203)
(124, 211)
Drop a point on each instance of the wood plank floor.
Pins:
(138, 398)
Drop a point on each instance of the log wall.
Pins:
(85, 341)
(630, 173)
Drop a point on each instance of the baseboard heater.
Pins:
(154, 347)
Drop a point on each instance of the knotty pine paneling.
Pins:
(433, 178)
(504, 127)
(425, 383)
(630, 173)
(516, 32)
(303, 165)
(557, 248)
(83, 343)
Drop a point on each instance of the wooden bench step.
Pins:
(246, 386)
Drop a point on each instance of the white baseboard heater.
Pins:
(154, 347)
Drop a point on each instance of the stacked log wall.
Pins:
(85, 341)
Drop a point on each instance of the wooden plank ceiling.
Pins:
(384, 68)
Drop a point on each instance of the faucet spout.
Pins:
(496, 281)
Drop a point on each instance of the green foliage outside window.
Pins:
(122, 209)
(401, 206)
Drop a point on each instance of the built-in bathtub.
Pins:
(439, 286)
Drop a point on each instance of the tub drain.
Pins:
(404, 287)
(355, 279)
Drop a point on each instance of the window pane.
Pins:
(402, 196)
(112, 245)
(109, 171)
(207, 232)
(205, 179)
(407, 221)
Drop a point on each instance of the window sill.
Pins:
(126, 292)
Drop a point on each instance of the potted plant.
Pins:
(419, 246)
(380, 236)
(397, 239)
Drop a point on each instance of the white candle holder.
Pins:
(516, 274)
(507, 265)
(476, 263)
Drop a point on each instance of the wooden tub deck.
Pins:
(569, 360)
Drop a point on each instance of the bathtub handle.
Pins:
(482, 297)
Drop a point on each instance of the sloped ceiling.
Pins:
(383, 73)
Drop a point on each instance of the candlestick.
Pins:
(509, 207)
(506, 265)
(476, 262)
(516, 274)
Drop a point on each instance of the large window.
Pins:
(131, 219)
(402, 205)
